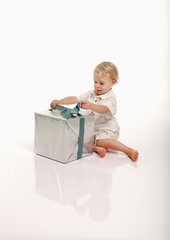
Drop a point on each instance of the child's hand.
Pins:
(54, 103)
(85, 105)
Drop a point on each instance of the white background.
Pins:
(48, 50)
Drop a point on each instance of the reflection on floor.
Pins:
(112, 197)
(85, 185)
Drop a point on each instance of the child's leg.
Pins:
(100, 150)
(118, 146)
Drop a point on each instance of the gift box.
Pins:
(64, 134)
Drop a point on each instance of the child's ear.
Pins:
(113, 81)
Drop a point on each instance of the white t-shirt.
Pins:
(103, 121)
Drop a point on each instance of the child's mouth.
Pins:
(98, 91)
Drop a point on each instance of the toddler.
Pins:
(102, 102)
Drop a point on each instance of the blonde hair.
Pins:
(107, 69)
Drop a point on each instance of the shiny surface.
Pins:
(111, 197)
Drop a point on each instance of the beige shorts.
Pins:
(106, 134)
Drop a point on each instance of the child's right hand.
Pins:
(54, 103)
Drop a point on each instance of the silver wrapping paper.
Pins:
(57, 138)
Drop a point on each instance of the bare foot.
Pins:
(101, 151)
(133, 155)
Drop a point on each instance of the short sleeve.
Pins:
(112, 105)
(84, 96)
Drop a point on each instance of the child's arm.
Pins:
(94, 107)
(64, 101)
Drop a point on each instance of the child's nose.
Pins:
(97, 85)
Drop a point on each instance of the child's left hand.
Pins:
(85, 105)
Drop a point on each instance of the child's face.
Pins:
(102, 85)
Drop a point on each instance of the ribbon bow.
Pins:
(68, 112)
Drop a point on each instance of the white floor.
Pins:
(91, 198)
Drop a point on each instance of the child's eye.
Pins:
(101, 83)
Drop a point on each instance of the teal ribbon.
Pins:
(70, 113)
